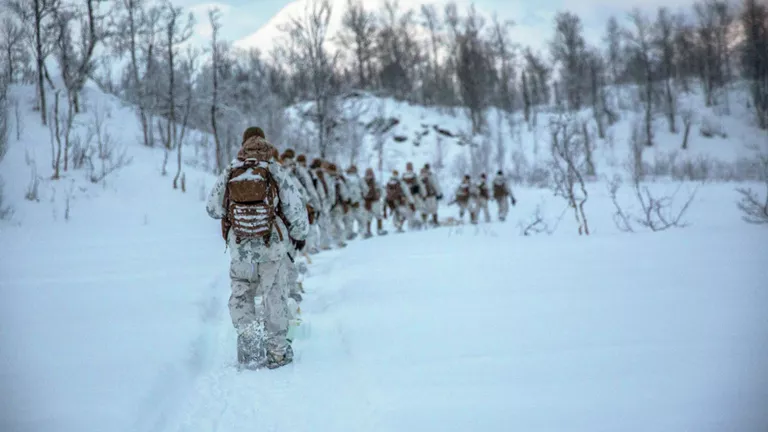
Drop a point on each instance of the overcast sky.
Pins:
(242, 18)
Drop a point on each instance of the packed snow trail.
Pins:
(477, 330)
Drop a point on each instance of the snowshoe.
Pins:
(351, 237)
(276, 360)
(251, 347)
(325, 248)
(313, 251)
(367, 236)
(341, 245)
(382, 232)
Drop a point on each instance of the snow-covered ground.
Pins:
(116, 319)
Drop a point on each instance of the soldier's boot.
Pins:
(251, 346)
(367, 233)
(278, 359)
(380, 227)
(424, 217)
(435, 223)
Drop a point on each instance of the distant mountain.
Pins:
(527, 31)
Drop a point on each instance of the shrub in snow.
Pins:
(711, 127)
(754, 209)
(657, 213)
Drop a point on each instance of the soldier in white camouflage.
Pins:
(399, 201)
(372, 205)
(340, 206)
(356, 189)
(480, 199)
(502, 194)
(325, 188)
(417, 191)
(463, 198)
(313, 241)
(263, 219)
(432, 194)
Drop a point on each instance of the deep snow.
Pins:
(116, 319)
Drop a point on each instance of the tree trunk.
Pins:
(40, 63)
(57, 131)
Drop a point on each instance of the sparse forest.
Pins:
(455, 60)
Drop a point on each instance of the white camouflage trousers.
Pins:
(465, 207)
(250, 280)
(355, 214)
(503, 208)
(402, 215)
(481, 204)
(324, 230)
(336, 223)
(430, 206)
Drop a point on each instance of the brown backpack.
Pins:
(373, 194)
(463, 193)
(251, 200)
(430, 189)
(482, 190)
(499, 191)
(395, 196)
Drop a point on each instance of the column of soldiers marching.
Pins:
(275, 205)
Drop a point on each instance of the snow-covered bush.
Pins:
(711, 127)
(755, 209)
(109, 156)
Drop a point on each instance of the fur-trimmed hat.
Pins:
(369, 172)
(409, 166)
(427, 167)
(482, 175)
(395, 173)
(255, 147)
(302, 159)
(501, 173)
(467, 177)
(288, 154)
(352, 169)
(332, 168)
(316, 163)
(253, 131)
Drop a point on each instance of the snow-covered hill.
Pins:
(113, 304)
(719, 145)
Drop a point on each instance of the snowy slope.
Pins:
(116, 318)
(101, 316)
(477, 329)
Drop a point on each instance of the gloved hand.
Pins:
(440, 197)
(299, 244)
(514, 201)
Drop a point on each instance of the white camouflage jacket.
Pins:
(432, 179)
(305, 179)
(290, 201)
(343, 191)
(330, 194)
(357, 189)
